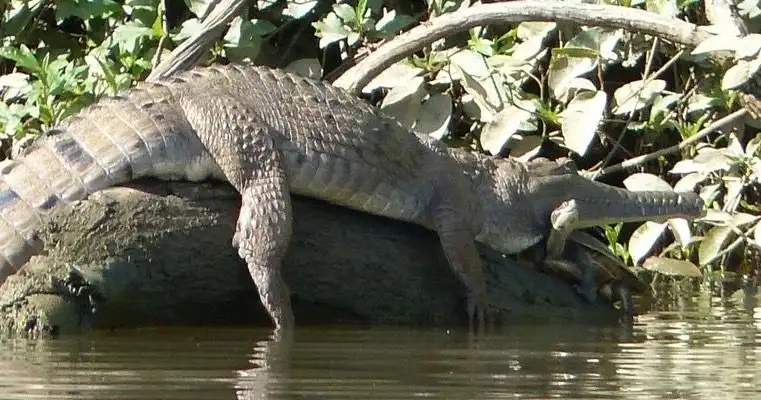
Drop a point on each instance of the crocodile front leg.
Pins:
(456, 239)
(564, 219)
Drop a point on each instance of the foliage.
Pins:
(595, 93)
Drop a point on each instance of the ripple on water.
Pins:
(700, 352)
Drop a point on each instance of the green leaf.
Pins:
(244, 33)
(362, 10)
(391, 23)
(23, 57)
(145, 12)
(85, 9)
(12, 117)
(128, 36)
(575, 52)
(189, 29)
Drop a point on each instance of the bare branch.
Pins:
(635, 20)
(187, 54)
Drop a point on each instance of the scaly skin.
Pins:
(270, 133)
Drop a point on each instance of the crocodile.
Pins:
(270, 133)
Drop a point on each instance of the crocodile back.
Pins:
(335, 147)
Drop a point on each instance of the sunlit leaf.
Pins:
(526, 148)
(473, 63)
(643, 181)
(681, 229)
(403, 102)
(740, 73)
(636, 95)
(667, 8)
(397, 74)
(644, 239)
(297, 9)
(128, 35)
(669, 266)
(715, 240)
(741, 219)
(307, 67)
(716, 43)
(708, 160)
(345, 12)
(482, 96)
(14, 84)
(748, 46)
(581, 118)
(189, 28)
(200, 8)
(505, 124)
(330, 29)
(564, 70)
(688, 182)
(435, 114)
(391, 23)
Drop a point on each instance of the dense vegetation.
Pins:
(601, 96)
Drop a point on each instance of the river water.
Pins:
(703, 348)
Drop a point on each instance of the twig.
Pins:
(649, 79)
(631, 19)
(165, 34)
(673, 149)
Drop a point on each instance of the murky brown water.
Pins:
(707, 350)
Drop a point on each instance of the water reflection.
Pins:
(704, 351)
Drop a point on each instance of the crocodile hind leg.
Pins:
(262, 236)
(244, 148)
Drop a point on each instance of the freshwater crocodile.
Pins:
(270, 133)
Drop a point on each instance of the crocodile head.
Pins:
(518, 201)
(509, 220)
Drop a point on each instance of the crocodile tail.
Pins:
(92, 151)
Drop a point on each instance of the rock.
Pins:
(160, 253)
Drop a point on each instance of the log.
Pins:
(157, 254)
